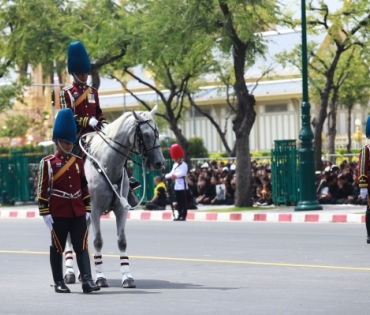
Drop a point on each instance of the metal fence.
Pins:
(18, 176)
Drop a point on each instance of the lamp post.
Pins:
(307, 195)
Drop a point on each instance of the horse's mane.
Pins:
(112, 129)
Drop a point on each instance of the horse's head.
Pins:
(147, 139)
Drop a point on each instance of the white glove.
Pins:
(103, 126)
(93, 122)
(48, 221)
(363, 193)
(88, 215)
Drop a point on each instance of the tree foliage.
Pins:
(345, 29)
(15, 126)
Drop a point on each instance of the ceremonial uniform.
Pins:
(179, 172)
(64, 201)
(67, 200)
(89, 106)
(364, 182)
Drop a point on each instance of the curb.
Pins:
(214, 216)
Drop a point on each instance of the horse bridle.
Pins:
(142, 147)
(143, 151)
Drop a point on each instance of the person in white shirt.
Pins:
(178, 174)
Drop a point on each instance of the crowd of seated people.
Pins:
(339, 185)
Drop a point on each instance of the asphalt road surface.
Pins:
(198, 268)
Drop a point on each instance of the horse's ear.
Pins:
(153, 111)
(137, 117)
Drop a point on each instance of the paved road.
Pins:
(199, 268)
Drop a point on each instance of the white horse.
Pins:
(109, 184)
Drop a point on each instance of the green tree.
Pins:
(355, 89)
(345, 28)
(15, 126)
(197, 148)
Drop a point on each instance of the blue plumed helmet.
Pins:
(65, 126)
(368, 128)
(78, 59)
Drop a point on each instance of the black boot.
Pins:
(131, 199)
(56, 263)
(134, 183)
(83, 262)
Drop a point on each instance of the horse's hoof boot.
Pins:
(102, 282)
(129, 283)
(70, 278)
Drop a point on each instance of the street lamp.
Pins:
(307, 193)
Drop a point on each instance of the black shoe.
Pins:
(60, 287)
(134, 184)
(83, 261)
(368, 240)
(88, 285)
(182, 219)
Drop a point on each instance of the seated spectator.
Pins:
(344, 190)
(329, 193)
(266, 196)
(203, 186)
(230, 192)
(158, 202)
(211, 195)
(192, 184)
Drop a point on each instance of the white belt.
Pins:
(63, 194)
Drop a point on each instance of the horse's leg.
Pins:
(69, 276)
(101, 281)
(127, 279)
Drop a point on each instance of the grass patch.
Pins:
(239, 209)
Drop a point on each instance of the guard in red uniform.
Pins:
(81, 98)
(64, 203)
(364, 177)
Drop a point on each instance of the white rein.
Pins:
(122, 199)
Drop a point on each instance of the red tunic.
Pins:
(88, 108)
(363, 167)
(71, 181)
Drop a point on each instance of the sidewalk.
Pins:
(330, 213)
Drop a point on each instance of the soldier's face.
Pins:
(82, 76)
(64, 147)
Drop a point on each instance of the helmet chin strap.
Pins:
(63, 150)
(77, 80)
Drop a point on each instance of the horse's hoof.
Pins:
(128, 283)
(102, 282)
(70, 278)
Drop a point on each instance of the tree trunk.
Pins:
(329, 74)
(95, 78)
(221, 133)
(183, 142)
(242, 125)
(332, 124)
(349, 142)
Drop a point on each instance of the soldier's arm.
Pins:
(99, 113)
(42, 188)
(84, 188)
(363, 165)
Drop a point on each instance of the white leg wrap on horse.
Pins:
(125, 268)
(69, 261)
(98, 259)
